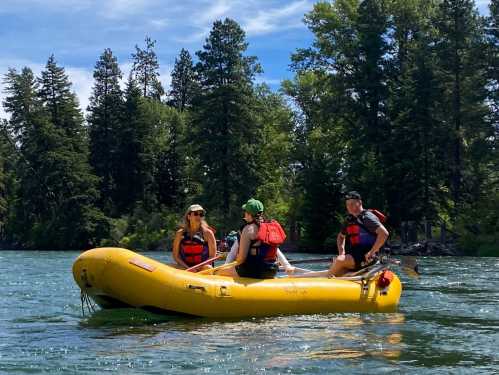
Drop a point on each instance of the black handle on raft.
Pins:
(190, 286)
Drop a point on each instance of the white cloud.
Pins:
(257, 17)
(277, 19)
(268, 81)
(82, 80)
(216, 9)
(117, 9)
(159, 24)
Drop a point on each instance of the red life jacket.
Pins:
(270, 236)
(194, 250)
(357, 233)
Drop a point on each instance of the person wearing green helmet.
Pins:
(255, 258)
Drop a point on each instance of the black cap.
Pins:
(352, 195)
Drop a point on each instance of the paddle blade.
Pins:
(410, 265)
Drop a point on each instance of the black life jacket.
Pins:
(194, 250)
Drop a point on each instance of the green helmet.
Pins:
(253, 206)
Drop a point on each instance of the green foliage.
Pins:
(399, 89)
(397, 99)
(184, 84)
(7, 179)
(143, 230)
(57, 189)
(478, 225)
(104, 121)
(146, 70)
(225, 133)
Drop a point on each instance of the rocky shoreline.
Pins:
(425, 248)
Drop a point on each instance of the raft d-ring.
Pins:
(365, 285)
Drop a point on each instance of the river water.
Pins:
(448, 322)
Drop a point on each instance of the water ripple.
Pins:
(448, 322)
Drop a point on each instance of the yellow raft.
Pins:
(115, 277)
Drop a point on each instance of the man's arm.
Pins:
(381, 237)
(340, 243)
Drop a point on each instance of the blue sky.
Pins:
(77, 31)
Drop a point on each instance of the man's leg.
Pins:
(342, 264)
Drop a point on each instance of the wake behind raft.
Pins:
(115, 277)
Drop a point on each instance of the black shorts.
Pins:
(359, 256)
(257, 271)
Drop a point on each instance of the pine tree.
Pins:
(493, 58)
(104, 119)
(171, 175)
(57, 196)
(135, 174)
(461, 68)
(225, 135)
(4, 155)
(146, 70)
(58, 99)
(21, 101)
(184, 84)
(318, 156)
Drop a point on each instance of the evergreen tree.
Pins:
(319, 154)
(61, 103)
(171, 175)
(4, 155)
(225, 135)
(416, 148)
(461, 73)
(57, 195)
(493, 60)
(104, 119)
(21, 100)
(184, 84)
(135, 174)
(146, 70)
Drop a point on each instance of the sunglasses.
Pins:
(198, 213)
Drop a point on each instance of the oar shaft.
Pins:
(208, 261)
(223, 266)
(312, 260)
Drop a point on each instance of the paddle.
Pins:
(207, 261)
(408, 263)
(312, 260)
(223, 266)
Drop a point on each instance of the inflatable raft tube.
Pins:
(115, 277)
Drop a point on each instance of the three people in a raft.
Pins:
(256, 252)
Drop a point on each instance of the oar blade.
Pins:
(410, 266)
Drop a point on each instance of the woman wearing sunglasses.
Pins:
(194, 242)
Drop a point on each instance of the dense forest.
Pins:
(397, 99)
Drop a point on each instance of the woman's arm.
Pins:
(212, 243)
(233, 252)
(176, 249)
(247, 236)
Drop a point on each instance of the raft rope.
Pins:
(86, 301)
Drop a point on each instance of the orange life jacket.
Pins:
(194, 250)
